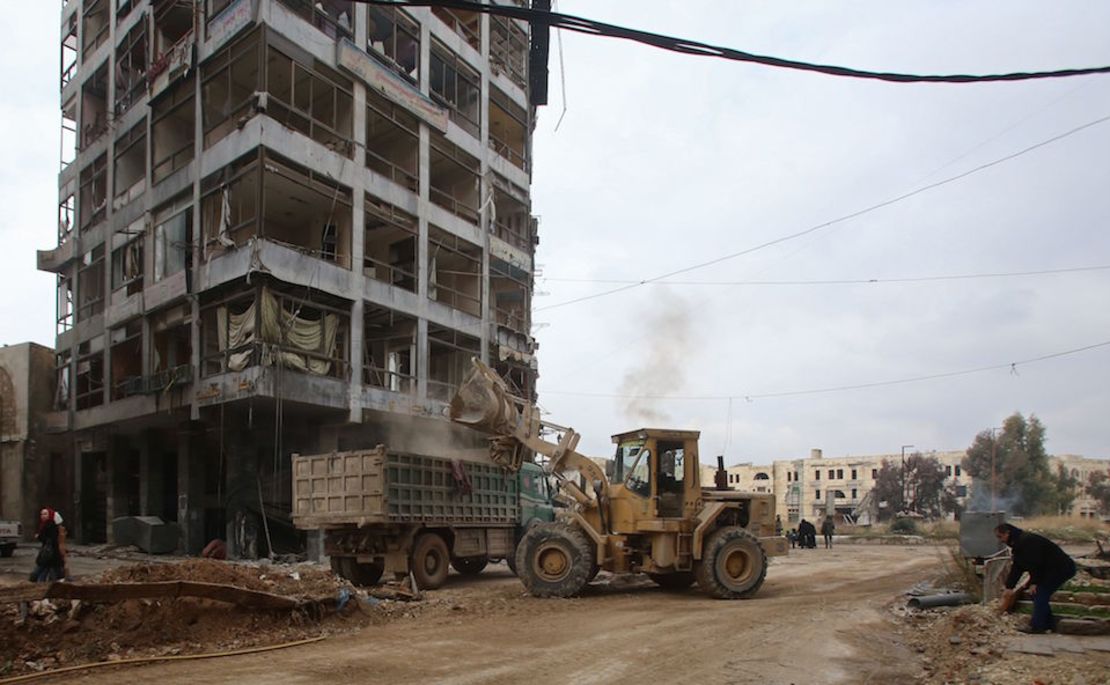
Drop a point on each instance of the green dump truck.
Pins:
(383, 511)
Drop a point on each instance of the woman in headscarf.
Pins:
(50, 564)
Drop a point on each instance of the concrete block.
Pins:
(149, 533)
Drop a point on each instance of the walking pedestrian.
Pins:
(827, 528)
(1048, 567)
(50, 564)
(778, 524)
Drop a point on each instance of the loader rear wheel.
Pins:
(733, 564)
(429, 561)
(679, 580)
(554, 560)
(359, 574)
(469, 566)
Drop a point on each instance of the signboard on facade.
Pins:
(233, 19)
(380, 78)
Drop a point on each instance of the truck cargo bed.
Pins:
(380, 486)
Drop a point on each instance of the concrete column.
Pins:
(150, 477)
(190, 493)
(117, 498)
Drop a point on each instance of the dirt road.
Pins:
(818, 619)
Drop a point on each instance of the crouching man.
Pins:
(1048, 566)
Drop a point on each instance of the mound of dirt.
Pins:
(299, 581)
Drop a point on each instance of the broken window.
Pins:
(508, 129)
(173, 237)
(392, 141)
(512, 221)
(171, 349)
(394, 38)
(94, 106)
(454, 179)
(389, 251)
(69, 50)
(230, 81)
(465, 23)
(127, 264)
(130, 175)
(458, 87)
(315, 101)
(173, 23)
(94, 26)
(449, 354)
(90, 373)
(131, 64)
(67, 218)
(126, 360)
(64, 305)
(509, 289)
(229, 204)
(333, 17)
(69, 132)
(90, 284)
(454, 271)
(172, 130)
(93, 201)
(389, 350)
(62, 378)
(508, 48)
(517, 376)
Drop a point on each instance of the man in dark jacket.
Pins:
(1048, 566)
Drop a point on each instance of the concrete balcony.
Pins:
(56, 260)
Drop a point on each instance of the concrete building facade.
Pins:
(284, 226)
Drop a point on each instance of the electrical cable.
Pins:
(569, 22)
(1012, 366)
(840, 219)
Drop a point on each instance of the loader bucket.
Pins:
(483, 403)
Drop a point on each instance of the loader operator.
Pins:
(1048, 566)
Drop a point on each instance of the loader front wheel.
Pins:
(733, 564)
(429, 561)
(554, 560)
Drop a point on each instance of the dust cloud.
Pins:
(436, 438)
(665, 339)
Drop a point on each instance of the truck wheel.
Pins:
(554, 560)
(359, 574)
(429, 561)
(469, 566)
(733, 564)
(679, 580)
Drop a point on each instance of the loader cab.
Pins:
(655, 475)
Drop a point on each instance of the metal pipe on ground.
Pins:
(948, 599)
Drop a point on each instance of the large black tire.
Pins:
(733, 564)
(359, 574)
(429, 561)
(554, 560)
(469, 566)
(679, 580)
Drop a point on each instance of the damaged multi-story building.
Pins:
(284, 226)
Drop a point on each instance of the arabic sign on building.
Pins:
(233, 19)
(389, 84)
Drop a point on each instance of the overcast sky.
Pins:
(663, 161)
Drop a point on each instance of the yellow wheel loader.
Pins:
(651, 516)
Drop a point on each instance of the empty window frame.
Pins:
(508, 47)
(90, 284)
(394, 38)
(94, 26)
(229, 204)
(94, 106)
(64, 306)
(123, 8)
(465, 23)
(173, 23)
(449, 354)
(69, 138)
(171, 349)
(63, 380)
(306, 211)
(230, 80)
(126, 360)
(389, 350)
(67, 218)
(333, 17)
(92, 204)
(520, 379)
(173, 237)
(510, 289)
(453, 178)
(173, 120)
(392, 141)
(458, 87)
(130, 153)
(127, 264)
(315, 101)
(454, 271)
(508, 129)
(69, 51)
(389, 248)
(512, 221)
(90, 373)
(131, 66)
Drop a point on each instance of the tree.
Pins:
(1098, 489)
(887, 493)
(922, 491)
(1025, 483)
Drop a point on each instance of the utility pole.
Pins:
(994, 480)
(904, 502)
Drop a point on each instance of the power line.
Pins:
(699, 49)
(845, 281)
(1012, 366)
(840, 219)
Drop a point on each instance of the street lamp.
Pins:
(904, 476)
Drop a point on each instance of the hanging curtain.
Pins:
(236, 331)
(299, 332)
